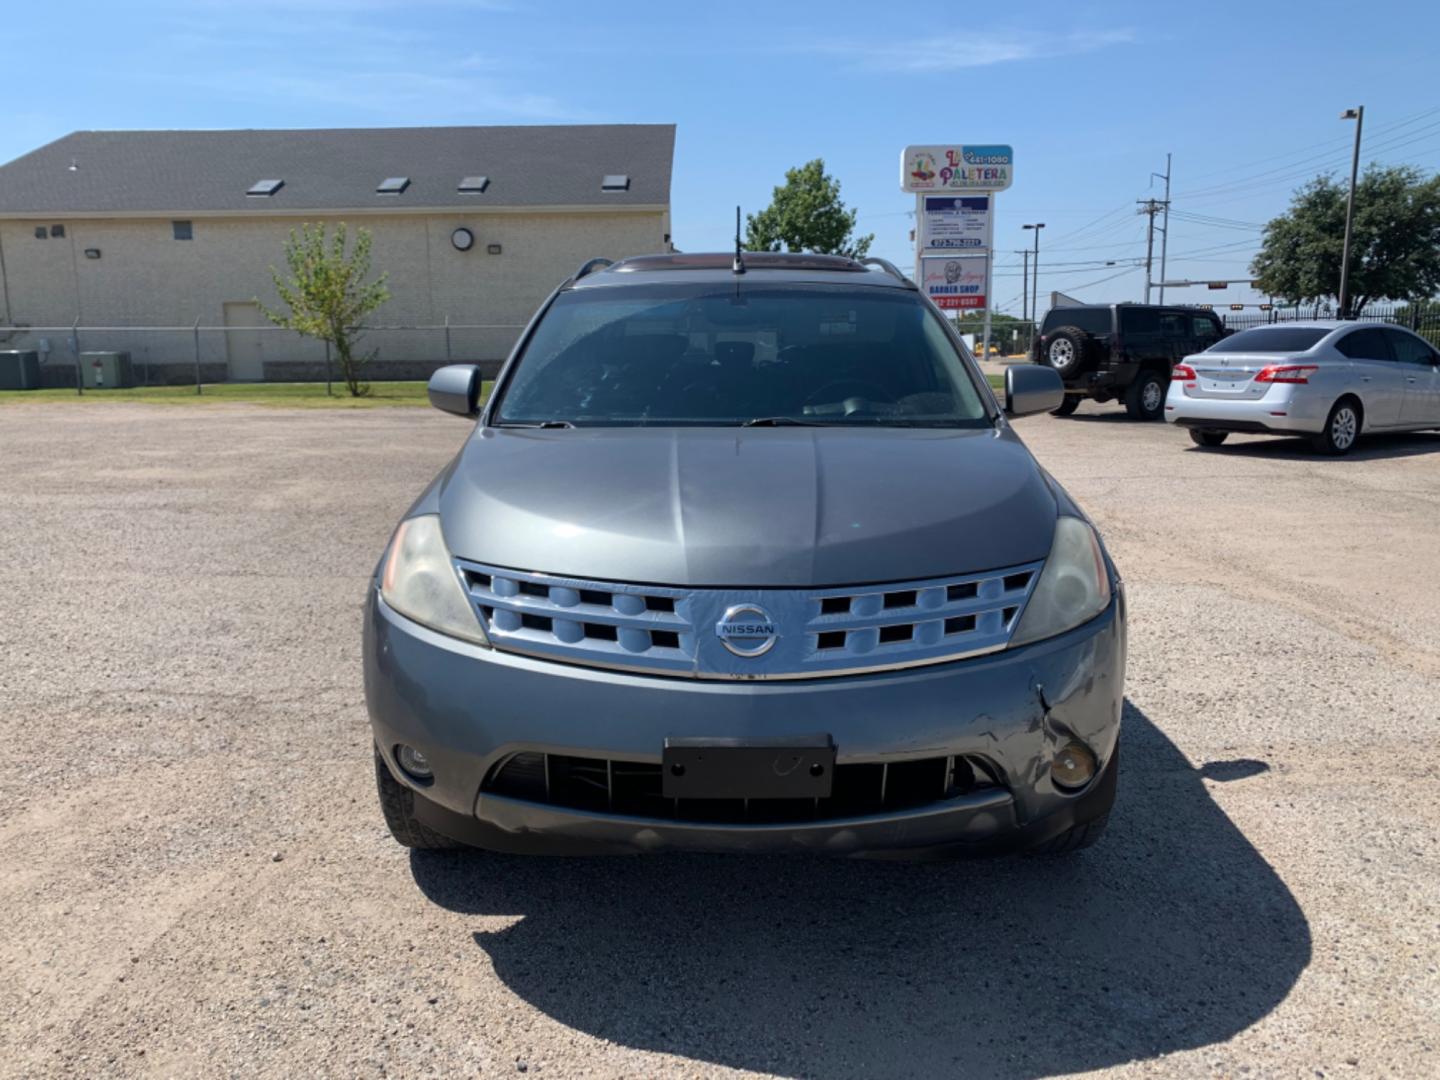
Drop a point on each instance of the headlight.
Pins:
(419, 581)
(1073, 588)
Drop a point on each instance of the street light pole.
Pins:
(1035, 272)
(1358, 115)
(1025, 284)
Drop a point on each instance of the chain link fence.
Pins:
(77, 355)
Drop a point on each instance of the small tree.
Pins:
(1394, 248)
(806, 214)
(327, 295)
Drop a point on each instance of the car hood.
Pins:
(779, 507)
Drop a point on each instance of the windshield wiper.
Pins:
(544, 424)
(780, 421)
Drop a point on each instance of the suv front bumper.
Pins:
(469, 708)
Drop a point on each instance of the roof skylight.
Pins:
(473, 185)
(393, 185)
(264, 188)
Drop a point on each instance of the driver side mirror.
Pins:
(455, 388)
(1032, 388)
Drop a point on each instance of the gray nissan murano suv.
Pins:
(745, 556)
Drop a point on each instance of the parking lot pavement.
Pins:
(196, 879)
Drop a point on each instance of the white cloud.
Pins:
(955, 52)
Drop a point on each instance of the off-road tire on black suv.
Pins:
(1074, 350)
(1068, 405)
(1145, 397)
(397, 803)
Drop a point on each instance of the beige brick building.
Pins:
(118, 230)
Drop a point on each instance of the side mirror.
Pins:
(1032, 388)
(455, 388)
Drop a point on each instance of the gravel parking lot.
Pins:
(196, 879)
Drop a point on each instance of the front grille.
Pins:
(633, 789)
(666, 630)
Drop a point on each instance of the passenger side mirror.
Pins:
(1032, 388)
(455, 388)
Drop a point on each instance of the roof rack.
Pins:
(591, 266)
(888, 267)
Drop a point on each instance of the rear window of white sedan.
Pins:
(1271, 339)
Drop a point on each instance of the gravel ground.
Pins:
(196, 879)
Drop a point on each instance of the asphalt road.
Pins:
(196, 880)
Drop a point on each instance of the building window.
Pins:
(182, 230)
(40, 233)
(57, 230)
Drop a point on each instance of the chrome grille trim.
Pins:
(824, 632)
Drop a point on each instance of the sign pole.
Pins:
(989, 269)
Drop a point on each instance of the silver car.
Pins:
(745, 556)
(1331, 381)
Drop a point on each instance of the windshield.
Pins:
(730, 354)
(1268, 339)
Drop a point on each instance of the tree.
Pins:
(327, 295)
(1394, 249)
(1008, 333)
(806, 214)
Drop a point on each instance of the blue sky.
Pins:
(1092, 96)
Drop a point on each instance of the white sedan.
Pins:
(1331, 381)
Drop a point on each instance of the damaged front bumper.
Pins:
(470, 710)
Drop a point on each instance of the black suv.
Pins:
(1121, 351)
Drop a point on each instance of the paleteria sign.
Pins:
(956, 168)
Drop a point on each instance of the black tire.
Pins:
(1342, 428)
(1067, 351)
(1145, 397)
(1074, 838)
(1208, 438)
(397, 803)
(1068, 405)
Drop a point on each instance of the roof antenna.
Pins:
(738, 266)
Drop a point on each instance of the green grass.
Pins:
(289, 395)
(997, 382)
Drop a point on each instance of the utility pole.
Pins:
(1150, 207)
(1025, 285)
(1164, 229)
(1358, 115)
(1035, 271)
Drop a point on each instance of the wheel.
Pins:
(1068, 405)
(1145, 397)
(1075, 838)
(1342, 428)
(397, 803)
(1208, 438)
(1067, 351)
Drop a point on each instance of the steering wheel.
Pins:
(853, 401)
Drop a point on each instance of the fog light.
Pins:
(413, 762)
(1073, 767)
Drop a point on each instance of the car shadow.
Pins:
(1368, 448)
(1172, 933)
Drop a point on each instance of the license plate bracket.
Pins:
(785, 767)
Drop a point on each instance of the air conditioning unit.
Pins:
(19, 369)
(105, 370)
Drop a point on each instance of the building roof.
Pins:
(184, 172)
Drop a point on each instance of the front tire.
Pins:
(1208, 438)
(1068, 405)
(397, 803)
(1075, 838)
(1145, 397)
(1342, 428)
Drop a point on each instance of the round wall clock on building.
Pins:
(463, 239)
